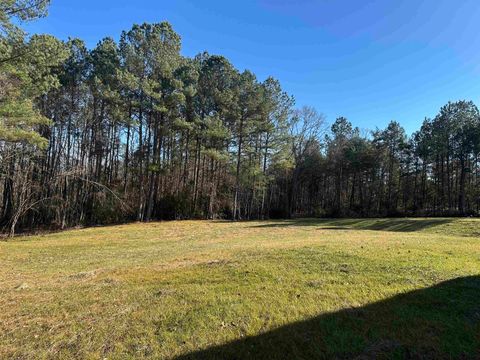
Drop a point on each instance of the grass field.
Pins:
(298, 289)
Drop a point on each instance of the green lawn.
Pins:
(386, 288)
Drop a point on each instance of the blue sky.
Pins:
(371, 61)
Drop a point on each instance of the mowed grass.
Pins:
(298, 289)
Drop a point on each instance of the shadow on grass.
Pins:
(393, 224)
(439, 322)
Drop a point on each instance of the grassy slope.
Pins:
(311, 288)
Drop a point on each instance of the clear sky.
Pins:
(368, 60)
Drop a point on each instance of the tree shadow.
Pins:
(391, 224)
(439, 322)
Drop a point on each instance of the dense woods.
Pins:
(132, 130)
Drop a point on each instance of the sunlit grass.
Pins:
(163, 290)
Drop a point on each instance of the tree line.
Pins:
(132, 130)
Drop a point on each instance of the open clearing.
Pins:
(383, 288)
